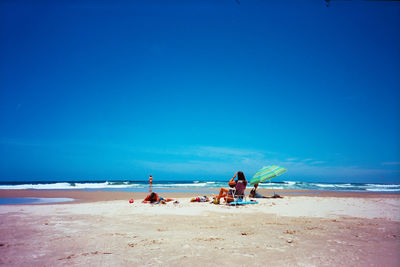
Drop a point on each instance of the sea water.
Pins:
(194, 186)
(32, 200)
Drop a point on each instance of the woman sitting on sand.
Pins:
(155, 198)
(227, 193)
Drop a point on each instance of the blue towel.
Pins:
(242, 202)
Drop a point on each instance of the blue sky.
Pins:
(199, 89)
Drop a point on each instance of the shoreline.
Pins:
(83, 196)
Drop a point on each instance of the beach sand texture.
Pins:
(293, 231)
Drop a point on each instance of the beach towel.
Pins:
(236, 202)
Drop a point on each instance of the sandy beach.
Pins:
(102, 102)
(104, 229)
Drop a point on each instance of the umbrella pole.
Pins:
(272, 187)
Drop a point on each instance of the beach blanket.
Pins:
(234, 203)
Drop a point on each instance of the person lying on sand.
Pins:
(254, 194)
(155, 198)
(226, 193)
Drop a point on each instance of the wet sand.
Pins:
(94, 196)
(305, 228)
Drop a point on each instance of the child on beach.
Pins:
(226, 193)
(155, 198)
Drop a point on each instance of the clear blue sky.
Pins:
(199, 89)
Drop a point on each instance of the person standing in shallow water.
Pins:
(150, 182)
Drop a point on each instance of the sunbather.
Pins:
(227, 193)
(254, 194)
(155, 198)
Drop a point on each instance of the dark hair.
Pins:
(153, 197)
(240, 176)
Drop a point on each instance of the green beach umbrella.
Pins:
(267, 173)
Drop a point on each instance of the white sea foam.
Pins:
(199, 184)
(324, 185)
(384, 185)
(55, 186)
(102, 185)
(180, 185)
(38, 186)
(344, 185)
(383, 190)
(271, 187)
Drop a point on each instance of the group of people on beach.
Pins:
(236, 188)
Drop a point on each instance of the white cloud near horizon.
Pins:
(224, 161)
(391, 163)
(208, 160)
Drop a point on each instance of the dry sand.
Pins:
(307, 230)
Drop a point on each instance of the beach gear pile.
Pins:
(199, 199)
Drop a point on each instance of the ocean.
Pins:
(189, 186)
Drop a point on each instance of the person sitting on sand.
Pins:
(254, 194)
(155, 198)
(227, 193)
